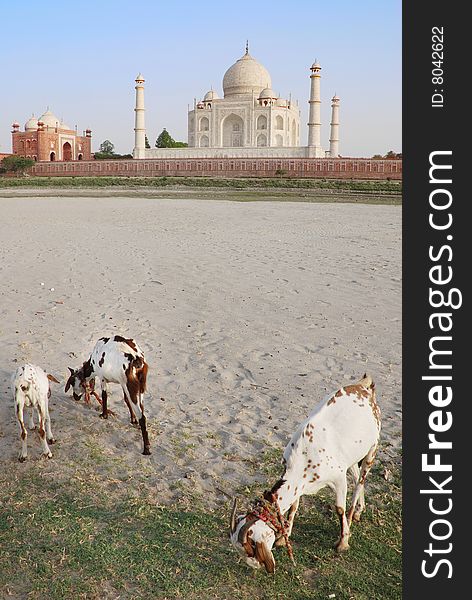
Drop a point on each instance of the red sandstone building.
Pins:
(48, 139)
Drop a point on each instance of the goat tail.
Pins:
(137, 376)
(367, 381)
(141, 375)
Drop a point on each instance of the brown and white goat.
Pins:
(114, 360)
(30, 387)
(340, 433)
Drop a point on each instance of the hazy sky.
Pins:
(81, 59)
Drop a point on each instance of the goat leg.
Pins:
(99, 400)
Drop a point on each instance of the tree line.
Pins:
(164, 140)
(390, 155)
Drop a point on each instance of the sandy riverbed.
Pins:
(249, 314)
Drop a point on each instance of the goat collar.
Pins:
(270, 513)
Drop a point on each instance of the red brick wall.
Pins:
(86, 144)
(343, 168)
(25, 143)
(47, 143)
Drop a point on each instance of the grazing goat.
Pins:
(114, 360)
(30, 387)
(340, 433)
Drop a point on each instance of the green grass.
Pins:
(67, 541)
(394, 187)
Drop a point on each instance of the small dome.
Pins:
(31, 124)
(316, 65)
(62, 125)
(140, 77)
(211, 95)
(245, 77)
(267, 93)
(49, 119)
(335, 98)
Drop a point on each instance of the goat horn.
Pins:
(233, 518)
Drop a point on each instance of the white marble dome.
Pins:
(49, 119)
(211, 95)
(31, 124)
(246, 76)
(267, 93)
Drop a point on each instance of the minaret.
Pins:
(139, 127)
(334, 137)
(314, 122)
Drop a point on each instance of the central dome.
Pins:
(49, 119)
(246, 76)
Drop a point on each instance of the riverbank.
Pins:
(239, 190)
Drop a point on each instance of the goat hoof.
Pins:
(134, 421)
(104, 415)
(51, 441)
(146, 451)
(22, 458)
(356, 517)
(47, 455)
(342, 547)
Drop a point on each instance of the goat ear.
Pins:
(52, 378)
(72, 371)
(269, 496)
(70, 382)
(265, 556)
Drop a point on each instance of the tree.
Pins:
(16, 164)
(107, 147)
(147, 145)
(165, 140)
(390, 155)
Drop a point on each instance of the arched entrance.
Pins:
(233, 132)
(66, 151)
(80, 156)
(261, 140)
(52, 156)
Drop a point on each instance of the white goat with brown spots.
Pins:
(341, 433)
(114, 360)
(30, 387)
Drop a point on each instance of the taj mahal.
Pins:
(249, 121)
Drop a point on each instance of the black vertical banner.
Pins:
(436, 327)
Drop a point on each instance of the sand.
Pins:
(248, 313)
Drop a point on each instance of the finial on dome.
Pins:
(247, 47)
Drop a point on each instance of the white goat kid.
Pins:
(341, 432)
(30, 387)
(114, 360)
